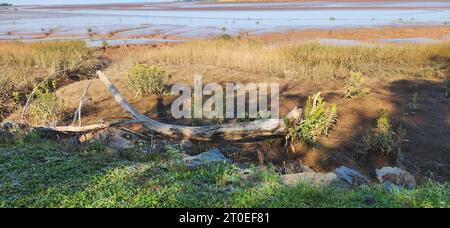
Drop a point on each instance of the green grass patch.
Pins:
(41, 176)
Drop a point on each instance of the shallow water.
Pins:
(419, 40)
(203, 20)
(107, 42)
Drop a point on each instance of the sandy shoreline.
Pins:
(360, 34)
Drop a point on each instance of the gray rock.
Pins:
(115, 140)
(8, 125)
(208, 158)
(392, 177)
(186, 144)
(351, 177)
(307, 169)
(11, 126)
(318, 179)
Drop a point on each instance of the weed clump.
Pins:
(383, 140)
(318, 119)
(354, 87)
(47, 107)
(414, 105)
(144, 80)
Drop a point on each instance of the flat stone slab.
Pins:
(351, 177)
(208, 158)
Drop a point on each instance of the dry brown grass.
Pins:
(307, 61)
(25, 64)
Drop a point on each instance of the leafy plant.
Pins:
(47, 107)
(354, 87)
(318, 119)
(144, 80)
(174, 151)
(413, 105)
(383, 140)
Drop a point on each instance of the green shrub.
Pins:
(353, 86)
(383, 140)
(32, 138)
(144, 80)
(47, 107)
(318, 119)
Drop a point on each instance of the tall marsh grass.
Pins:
(304, 61)
(25, 64)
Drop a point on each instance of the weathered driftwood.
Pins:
(83, 100)
(94, 127)
(234, 131)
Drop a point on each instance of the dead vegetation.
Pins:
(307, 61)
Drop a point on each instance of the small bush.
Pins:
(318, 119)
(47, 107)
(225, 37)
(383, 140)
(353, 86)
(147, 80)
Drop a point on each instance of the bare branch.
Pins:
(78, 111)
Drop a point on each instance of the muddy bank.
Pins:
(193, 20)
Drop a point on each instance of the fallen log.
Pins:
(93, 127)
(234, 131)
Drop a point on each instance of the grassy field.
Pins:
(41, 176)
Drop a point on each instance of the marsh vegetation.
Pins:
(334, 130)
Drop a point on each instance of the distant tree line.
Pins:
(6, 4)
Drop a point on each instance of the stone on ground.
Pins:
(395, 178)
(208, 158)
(351, 177)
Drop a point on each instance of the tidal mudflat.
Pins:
(187, 20)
